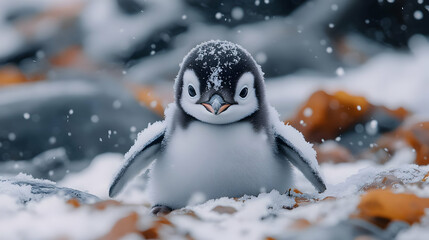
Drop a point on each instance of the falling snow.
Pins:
(339, 71)
(95, 119)
(308, 112)
(418, 15)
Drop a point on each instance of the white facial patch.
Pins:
(245, 105)
(190, 80)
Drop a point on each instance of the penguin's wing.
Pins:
(140, 156)
(292, 145)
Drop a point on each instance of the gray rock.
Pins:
(52, 164)
(85, 117)
(25, 189)
(349, 229)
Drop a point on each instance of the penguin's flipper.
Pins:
(140, 156)
(300, 153)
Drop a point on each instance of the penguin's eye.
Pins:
(191, 91)
(243, 92)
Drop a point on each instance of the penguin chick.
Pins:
(220, 137)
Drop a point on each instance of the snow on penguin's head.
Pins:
(219, 82)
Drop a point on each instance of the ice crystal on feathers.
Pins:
(216, 52)
(214, 80)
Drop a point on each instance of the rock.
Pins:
(349, 229)
(85, 117)
(224, 210)
(251, 11)
(25, 189)
(52, 164)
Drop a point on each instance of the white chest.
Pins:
(218, 161)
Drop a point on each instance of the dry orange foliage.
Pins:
(426, 177)
(382, 206)
(58, 15)
(72, 57)
(74, 202)
(300, 224)
(301, 199)
(147, 96)
(334, 113)
(416, 136)
(105, 204)
(153, 231)
(123, 227)
(340, 106)
(98, 205)
(296, 191)
(69, 56)
(10, 75)
(129, 224)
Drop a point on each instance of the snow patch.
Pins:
(95, 179)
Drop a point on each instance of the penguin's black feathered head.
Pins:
(219, 82)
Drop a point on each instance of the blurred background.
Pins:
(81, 78)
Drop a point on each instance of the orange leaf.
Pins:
(296, 191)
(67, 57)
(104, 204)
(74, 202)
(123, 227)
(346, 109)
(152, 232)
(340, 106)
(384, 204)
(300, 224)
(426, 177)
(10, 75)
(147, 96)
(415, 136)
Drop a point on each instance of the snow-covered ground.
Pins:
(269, 214)
(273, 214)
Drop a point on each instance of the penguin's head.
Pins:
(219, 83)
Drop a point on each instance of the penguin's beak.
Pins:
(216, 105)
